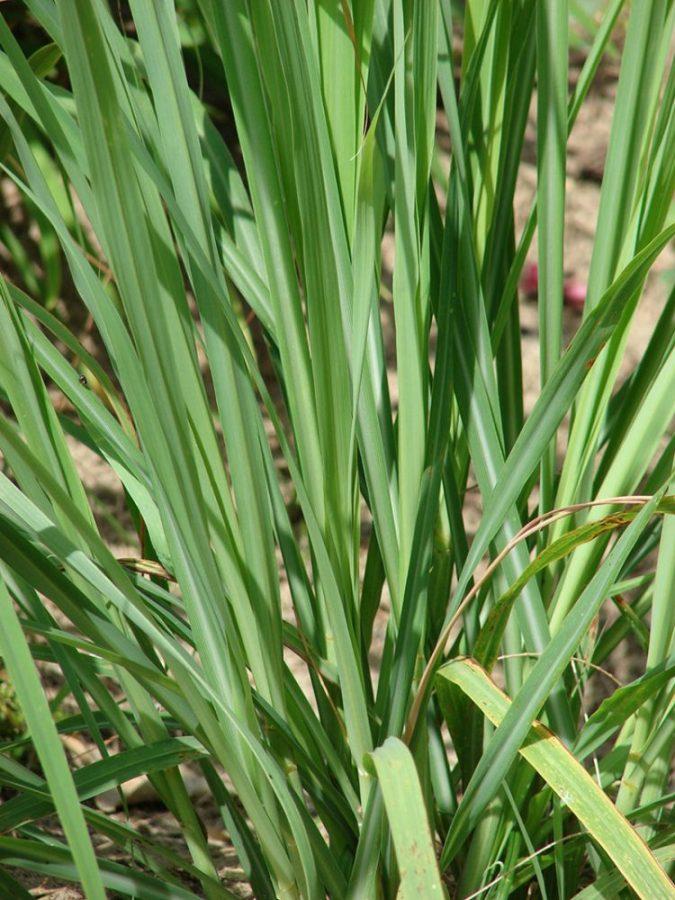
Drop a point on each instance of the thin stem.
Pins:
(537, 524)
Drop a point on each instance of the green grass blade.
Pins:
(506, 741)
(20, 665)
(94, 779)
(410, 340)
(55, 860)
(26, 392)
(632, 128)
(552, 51)
(555, 399)
(661, 643)
(609, 884)
(615, 711)
(575, 787)
(637, 82)
(404, 803)
(487, 645)
(625, 473)
(236, 402)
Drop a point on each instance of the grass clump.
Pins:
(234, 276)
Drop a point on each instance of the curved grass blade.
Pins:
(100, 776)
(611, 884)
(54, 860)
(575, 787)
(489, 639)
(87, 361)
(504, 744)
(191, 682)
(556, 397)
(615, 711)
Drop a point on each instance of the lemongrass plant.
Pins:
(462, 763)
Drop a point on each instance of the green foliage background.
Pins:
(423, 778)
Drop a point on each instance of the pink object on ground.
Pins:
(574, 292)
(529, 280)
